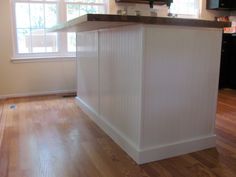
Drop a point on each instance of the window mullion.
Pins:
(44, 32)
(62, 36)
(14, 31)
(30, 30)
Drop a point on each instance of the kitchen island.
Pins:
(150, 83)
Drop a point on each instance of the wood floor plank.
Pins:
(120, 159)
(49, 136)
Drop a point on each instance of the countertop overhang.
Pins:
(91, 22)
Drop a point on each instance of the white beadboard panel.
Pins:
(152, 89)
(180, 81)
(87, 69)
(120, 54)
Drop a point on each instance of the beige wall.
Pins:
(204, 14)
(40, 77)
(143, 8)
(210, 14)
(29, 78)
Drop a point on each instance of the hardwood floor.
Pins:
(51, 137)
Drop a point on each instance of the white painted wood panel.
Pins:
(87, 69)
(120, 54)
(180, 82)
(152, 88)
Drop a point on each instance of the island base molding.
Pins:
(141, 156)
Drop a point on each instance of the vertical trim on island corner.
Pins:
(99, 72)
(142, 88)
(77, 60)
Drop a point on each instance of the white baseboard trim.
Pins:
(146, 155)
(115, 134)
(15, 95)
(176, 149)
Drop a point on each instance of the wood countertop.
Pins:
(90, 22)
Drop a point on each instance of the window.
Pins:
(185, 7)
(32, 19)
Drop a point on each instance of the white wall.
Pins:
(34, 77)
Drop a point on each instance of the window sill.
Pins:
(41, 59)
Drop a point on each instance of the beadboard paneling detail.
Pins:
(87, 69)
(120, 79)
(152, 88)
(180, 84)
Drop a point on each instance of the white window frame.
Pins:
(62, 37)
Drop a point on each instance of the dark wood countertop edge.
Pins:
(137, 20)
(157, 20)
